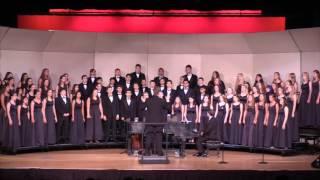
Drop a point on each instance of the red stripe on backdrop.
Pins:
(152, 24)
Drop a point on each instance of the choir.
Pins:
(257, 115)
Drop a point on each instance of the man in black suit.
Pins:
(119, 80)
(129, 106)
(136, 91)
(63, 110)
(127, 84)
(84, 88)
(152, 87)
(144, 87)
(92, 78)
(169, 92)
(156, 107)
(186, 92)
(200, 85)
(160, 76)
(110, 106)
(192, 78)
(137, 76)
(200, 96)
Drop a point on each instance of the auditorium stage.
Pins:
(102, 163)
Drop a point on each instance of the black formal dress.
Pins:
(13, 130)
(155, 109)
(248, 135)
(305, 108)
(270, 132)
(39, 125)
(94, 130)
(50, 135)
(77, 134)
(235, 126)
(259, 127)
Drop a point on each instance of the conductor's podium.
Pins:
(154, 159)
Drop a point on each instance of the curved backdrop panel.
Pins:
(29, 51)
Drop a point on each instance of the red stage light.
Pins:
(152, 24)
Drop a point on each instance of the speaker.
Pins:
(316, 163)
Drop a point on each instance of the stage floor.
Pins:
(112, 159)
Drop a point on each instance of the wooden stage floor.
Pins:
(112, 159)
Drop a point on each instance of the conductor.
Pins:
(157, 109)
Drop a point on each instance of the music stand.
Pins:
(263, 152)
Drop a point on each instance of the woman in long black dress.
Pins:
(256, 93)
(305, 113)
(263, 112)
(315, 97)
(37, 119)
(250, 117)
(235, 120)
(271, 124)
(24, 118)
(75, 89)
(243, 97)
(45, 87)
(191, 114)
(94, 131)
(240, 81)
(77, 122)
(5, 98)
(31, 93)
(13, 124)
(49, 116)
(45, 75)
(215, 97)
(177, 112)
(62, 85)
(229, 96)
(221, 116)
(282, 126)
(277, 79)
(204, 109)
(291, 100)
(177, 109)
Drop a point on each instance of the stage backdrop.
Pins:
(29, 51)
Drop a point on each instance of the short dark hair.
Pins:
(92, 70)
(188, 66)
(83, 76)
(138, 65)
(169, 81)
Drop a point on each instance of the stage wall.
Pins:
(76, 52)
